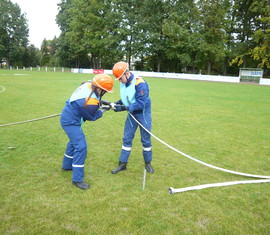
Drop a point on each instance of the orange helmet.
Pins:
(103, 81)
(119, 69)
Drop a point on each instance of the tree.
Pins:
(163, 35)
(261, 51)
(213, 30)
(245, 27)
(89, 32)
(45, 53)
(154, 14)
(65, 49)
(31, 56)
(182, 37)
(13, 31)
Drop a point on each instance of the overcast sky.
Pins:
(41, 16)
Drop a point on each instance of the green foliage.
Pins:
(252, 30)
(213, 31)
(31, 56)
(211, 36)
(91, 31)
(45, 53)
(164, 35)
(261, 51)
(13, 31)
(181, 30)
(223, 124)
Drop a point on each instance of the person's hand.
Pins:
(119, 108)
(117, 102)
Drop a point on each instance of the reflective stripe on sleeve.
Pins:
(126, 148)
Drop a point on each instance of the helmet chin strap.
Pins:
(94, 90)
(102, 93)
(88, 98)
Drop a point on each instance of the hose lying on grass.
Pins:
(263, 179)
(172, 190)
(32, 120)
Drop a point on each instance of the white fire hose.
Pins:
(32, 120)
(263, 179)
(203, 186)
(2, 89)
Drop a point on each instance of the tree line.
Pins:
(208, 36)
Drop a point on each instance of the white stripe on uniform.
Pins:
(147, 149)
(126, 148)
(68, 156)
(77, 165)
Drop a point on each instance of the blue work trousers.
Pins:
(131, 126)
(76, 152)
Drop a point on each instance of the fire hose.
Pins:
(32, 120)
(108, 105)
(263, 179)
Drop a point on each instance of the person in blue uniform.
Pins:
(83, 105)
(134, 92)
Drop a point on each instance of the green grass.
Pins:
(223, 124)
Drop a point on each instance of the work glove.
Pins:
(119, 108)
(118, 102)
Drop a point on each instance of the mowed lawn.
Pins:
(223, 124)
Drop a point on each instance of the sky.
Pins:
(41, 15)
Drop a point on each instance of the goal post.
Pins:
(250, 74)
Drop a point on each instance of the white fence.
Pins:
(166, 75)
(264, 81)
(215, 78)
(38, 68)
(175, 76)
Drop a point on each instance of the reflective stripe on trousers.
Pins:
(76, 152)
(129, 132)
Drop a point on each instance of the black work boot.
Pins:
(63, 169)
(122, 166)
(81, 185)
(149, 168)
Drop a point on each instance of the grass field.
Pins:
(226, 125)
